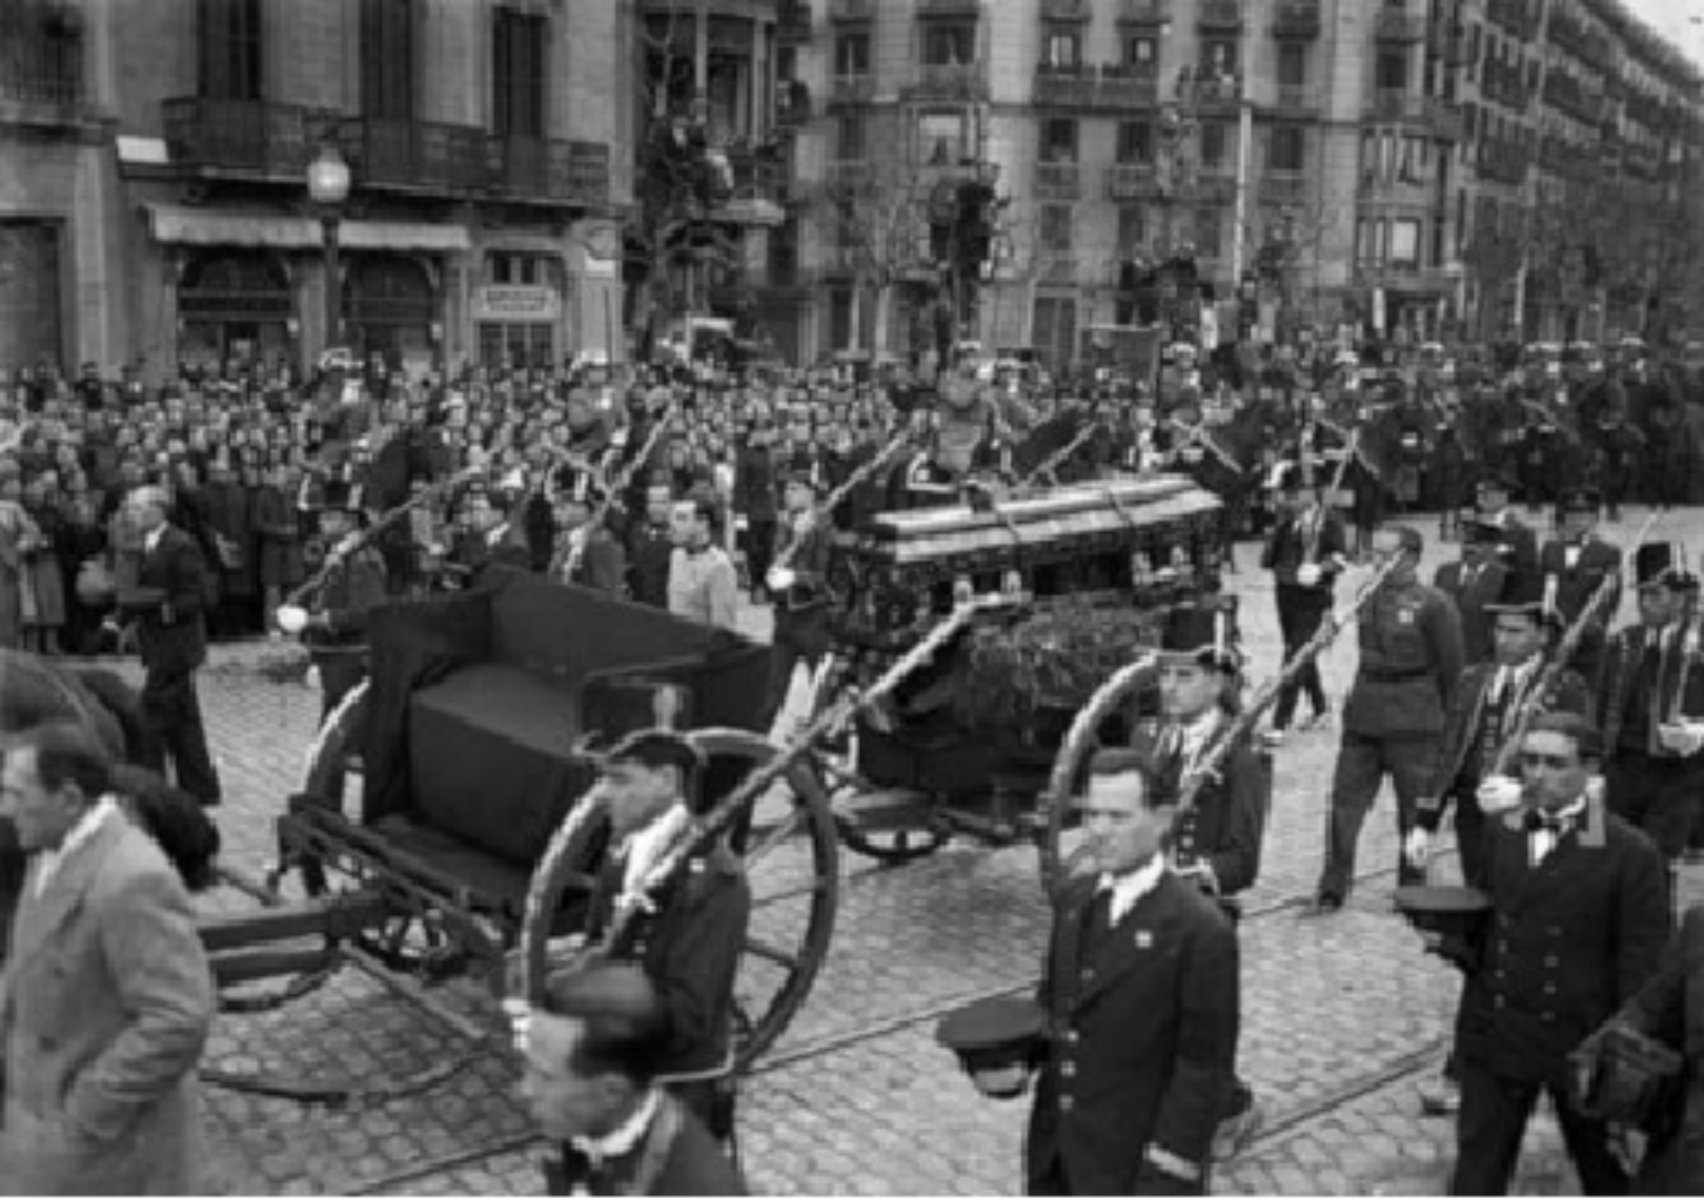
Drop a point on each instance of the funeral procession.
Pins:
(851, 597)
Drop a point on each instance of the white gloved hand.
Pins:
(1685, 738)
(312, 678)
(780, 579)
(519, 1013)
(1417, 848)
(347, 546)
(1308, 574)
(292, 619)
(1499, 794)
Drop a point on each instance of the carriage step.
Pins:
(887, 809)
(250, 966)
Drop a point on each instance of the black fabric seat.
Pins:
(496, 885)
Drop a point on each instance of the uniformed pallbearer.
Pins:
(1393, 721)
(799, 588)
(1575, 564)
(1305, 554)
(1216, 841)
(336, 632)
(1142, 998)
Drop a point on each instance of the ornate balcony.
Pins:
(851, 10)
(1145, 13)
(1284, 188)
(793, 22)
(949, 82)
(1396, 25)
(1095, 88)
(1058, 181)
(1065, 10)
(1298, 100)
(852, 89)
(1220, 16)
(1296, 19)
(1445, 119)
(1131, 181)
(415, 155)
(244, 137)
(1393, 104)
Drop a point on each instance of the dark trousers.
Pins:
(1300, 612)
(1362, 764)
(1492, 1122)
(759, 550)
(1657, 795)
(339, 672)
(1469, 823)
(711, 1101)
(800, 636)
(172, 714)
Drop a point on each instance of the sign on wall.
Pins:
(516, 302)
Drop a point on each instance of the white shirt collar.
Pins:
(1128, 889)
(1511, 677)
(621, 1141)
(152, 538)
(643, 847)
(49, 861)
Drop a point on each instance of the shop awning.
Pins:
(205, 227)
(403, 235)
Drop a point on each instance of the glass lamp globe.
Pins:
(328, 177)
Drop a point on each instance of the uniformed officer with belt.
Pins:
(1393, 721)
(1574, 565)
(798, 585)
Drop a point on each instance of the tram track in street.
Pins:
(1277, 1126)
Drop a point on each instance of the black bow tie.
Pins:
(1539, 819)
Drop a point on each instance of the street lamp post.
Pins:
(328, 188)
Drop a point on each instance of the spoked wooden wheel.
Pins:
(787, 842)
(1061, 857)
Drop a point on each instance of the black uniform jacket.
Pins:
(1576, 585)
(1463, 719)
(1141, 1042)
(352, 590)
(690, 948)
(1225, 826)
(1679, 668)
(168, 602)
(1568, 942)
(1472, 591)
(1315, 537)
(809, 562)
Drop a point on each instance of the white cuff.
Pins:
(1174, 1165)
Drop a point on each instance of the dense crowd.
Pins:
(513, 461)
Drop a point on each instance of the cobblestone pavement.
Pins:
(1341, 1016)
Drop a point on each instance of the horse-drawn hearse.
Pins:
(443, 819)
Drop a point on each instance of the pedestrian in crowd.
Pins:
(107, 996)
(703, 585)
(1142, 997)
(1306, 553)
(590, 1065)
(336, 617)
(167, 603)
(650, 547)
(1393, 720)
(798, 587)
(1576, 564)
(1487, 706)
(1578, 919)
(1651, 703)
(585, 543)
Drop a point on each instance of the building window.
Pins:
(1056, 228)
(1392, 72)
(850, 137)
(229, 34)
(1141, 52)
(1059, 140)
(949, 43)
(518, 44)
(387, 59)
(942, 138)
(1135, 142)
(514, 268)
(1289, 148)
(1412, 165)
(1063, 47)
(1292, 64)
(1132, 231)
(1218, 58)
(1405, 243)
(1209, 233)
(1215, 143)
(852, 54)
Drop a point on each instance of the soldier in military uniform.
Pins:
(799, 588)
(1393, 721)
(1305, 555)
(690, 936)
(1493, 497)
(1473, 581)
(1142, 996)
(336, 631)
(601, 564)
(1577, 924)
(1651, 703)
(1216, 840)
(1575, 564)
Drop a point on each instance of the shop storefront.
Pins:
(391, 307)
(30, 330)
(235, 305)
(517, 324)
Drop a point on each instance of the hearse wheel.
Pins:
(787, 842)
(1061, 860)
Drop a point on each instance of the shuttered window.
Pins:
(229, 39)
(518, 43)
(387, 59)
